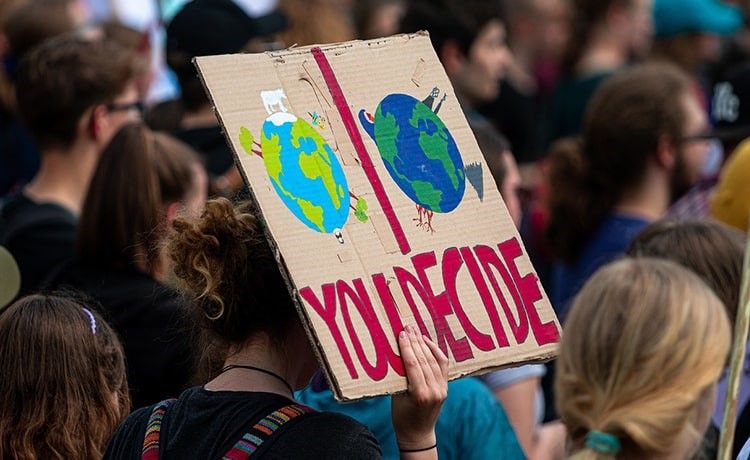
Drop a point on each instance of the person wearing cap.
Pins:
(689, 32)
(204, 28)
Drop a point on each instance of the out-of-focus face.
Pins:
(693, 149)
(553, 17)
(641, 26)
(479, 78)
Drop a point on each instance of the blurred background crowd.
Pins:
(613, 129)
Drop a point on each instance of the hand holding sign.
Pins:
(415, 412)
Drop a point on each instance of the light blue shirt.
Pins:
(471, 426)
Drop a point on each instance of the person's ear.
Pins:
(666, 152)
(97, 121)
(172, 209)
(452, 57)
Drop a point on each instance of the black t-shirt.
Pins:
(149, 318)
(40, 236)
(207, 424)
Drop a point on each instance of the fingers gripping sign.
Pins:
(415, 412)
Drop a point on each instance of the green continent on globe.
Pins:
(272, 159)
(435, 145)
(386, 133)
(427, 193)
(315, 159)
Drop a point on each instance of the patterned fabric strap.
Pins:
(153, 430)
(263, 430)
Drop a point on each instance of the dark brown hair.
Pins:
(123, 220)
(460, 21)
(227, 268)
(36, 21)
(624, 122)
(586, 15)
(63, 380)
(61, 79)
(710, 249)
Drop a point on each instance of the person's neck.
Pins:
(262, 353)
(649, 201)
(603, 54)
(203, 117)
(64, 176)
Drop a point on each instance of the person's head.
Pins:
(626, 22)
(710, 249)
(71, 90)
(209, 27)
(138, 44)
(64, 386)
(378, 18)
(502, 166)
(538, 26)
(142, 180)
(37, 21)
(645, 342)
(226, 267)
(469, 38)
(688, 32)
(641, 121)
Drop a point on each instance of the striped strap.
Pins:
(263, 430)
(153, 430)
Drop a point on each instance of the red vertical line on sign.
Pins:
(364, 157)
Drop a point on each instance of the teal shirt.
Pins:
(471, 426)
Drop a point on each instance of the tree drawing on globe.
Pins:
(304, 171)
(419, 152)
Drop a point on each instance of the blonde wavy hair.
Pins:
(645, 342)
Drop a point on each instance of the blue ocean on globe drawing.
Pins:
(305, 172)
(418, 151)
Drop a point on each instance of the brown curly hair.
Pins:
(224, 264)
(64, 386)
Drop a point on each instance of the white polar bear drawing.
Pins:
(273, 98)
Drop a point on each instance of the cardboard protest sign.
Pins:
(377, 197)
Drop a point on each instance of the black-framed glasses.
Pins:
(136, 106)
(701, 136)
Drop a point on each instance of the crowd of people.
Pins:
(143, 313)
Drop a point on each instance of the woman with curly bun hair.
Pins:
(63, 380)
(645, 342)
(256, 354)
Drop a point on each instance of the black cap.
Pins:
(730, 105)
(209, 27)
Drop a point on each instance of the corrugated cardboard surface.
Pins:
(367, 72)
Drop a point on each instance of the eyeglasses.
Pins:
(701, 136)
(136, 106)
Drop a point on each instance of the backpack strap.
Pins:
(264, 429)
(153, 430)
